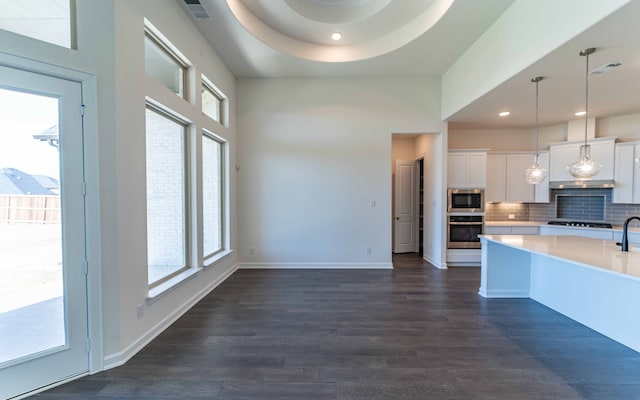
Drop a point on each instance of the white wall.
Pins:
(110, 45)
(313, 154)
(431, 145)
(625, 127)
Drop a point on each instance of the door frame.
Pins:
(92, 211)
(419, 198)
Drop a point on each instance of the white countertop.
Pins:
(593, 253)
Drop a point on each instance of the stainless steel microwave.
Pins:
(465, 200)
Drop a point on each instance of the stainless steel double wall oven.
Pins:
(465, 219)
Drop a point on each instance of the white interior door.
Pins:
(405, 207)
(43, 295)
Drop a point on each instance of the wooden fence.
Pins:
(33, 209)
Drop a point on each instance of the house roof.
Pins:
(14, 181)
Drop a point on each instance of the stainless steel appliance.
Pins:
(463, 231)
(465, 200)
(582, 224)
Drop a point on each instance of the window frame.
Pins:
(208, 135)
(217, 93)
(165, 46)
(186, 198)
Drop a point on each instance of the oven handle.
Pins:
(466, 223)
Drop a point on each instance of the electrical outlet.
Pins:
(372, 203)
(368, 250)
(140, 310)
(252, 251)
(512, 216)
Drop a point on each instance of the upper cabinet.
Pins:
(627, 173)
(506, 181)
(563, 154)
(466, 169)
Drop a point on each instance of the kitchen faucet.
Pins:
(625, 227)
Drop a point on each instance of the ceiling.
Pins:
(291, 38)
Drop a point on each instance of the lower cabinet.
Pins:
(511, 230)
(594, 233)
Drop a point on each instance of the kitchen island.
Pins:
(589, 280)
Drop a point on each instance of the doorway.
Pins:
(408, 196)
(43, 293)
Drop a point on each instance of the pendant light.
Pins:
(536, 173)
(585, 168)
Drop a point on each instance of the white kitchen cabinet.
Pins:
(594, 233)
(496, 189)
(506, 178)
(627, 173)
(563, 154)
(518, 190)
(541, 190)
(466, 169)
(511, 230)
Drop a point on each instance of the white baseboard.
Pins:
(438, 265)
(255, 265)
(118, 359)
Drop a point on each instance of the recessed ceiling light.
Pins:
(336, 36)
(504, 114)
(580, 113)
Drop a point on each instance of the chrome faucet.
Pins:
(625, 227)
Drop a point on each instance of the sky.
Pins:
(21, 116)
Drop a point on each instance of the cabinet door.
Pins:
(497, 230)
(518, 190)
(624, 165)
(559, 157)
(604, 153)
(457, 170)
(496, 178)
(541, 190)
(636, 174)
(524, 230)
(476, 169)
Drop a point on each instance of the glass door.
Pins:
(43, 297)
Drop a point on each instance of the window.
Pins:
(212, 102)
(46, 20)
(164, 65)
(212, 189)
(166, 195)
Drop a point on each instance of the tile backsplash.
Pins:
(572, 204)
(501, 211)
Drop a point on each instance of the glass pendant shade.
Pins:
(585, 168)
(535, 173)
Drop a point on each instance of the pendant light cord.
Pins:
(536, 80)
(586, 91)
(586, 52)
(537, 103)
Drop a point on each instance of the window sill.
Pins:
(214, 259)
(165, 287)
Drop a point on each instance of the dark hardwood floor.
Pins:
(407, 333)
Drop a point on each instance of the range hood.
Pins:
(592, 184)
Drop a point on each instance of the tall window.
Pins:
(212, 189)
(213, 101)
(164, 65)
(166, 195)
(47, 20)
